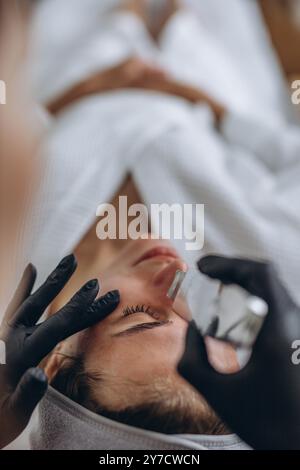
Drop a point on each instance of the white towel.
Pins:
(65, 425)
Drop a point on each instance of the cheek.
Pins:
(173, 343)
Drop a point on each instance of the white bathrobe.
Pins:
(171, 148)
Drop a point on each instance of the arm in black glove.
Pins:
(261, 403)
(22, 383)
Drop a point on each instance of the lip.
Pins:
(159, 251)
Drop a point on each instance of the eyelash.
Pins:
(138, 309)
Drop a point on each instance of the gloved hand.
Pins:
(22, 384)
(260, 402)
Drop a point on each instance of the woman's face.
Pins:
(144, 337)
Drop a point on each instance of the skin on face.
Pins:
(144, 338)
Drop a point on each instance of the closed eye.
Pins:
(140, 308)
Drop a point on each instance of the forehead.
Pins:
(150, 350)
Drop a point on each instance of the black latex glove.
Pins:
(261, 403)
(22, 383)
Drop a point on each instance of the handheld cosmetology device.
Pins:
(240, 315)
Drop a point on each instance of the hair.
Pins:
(166, 408)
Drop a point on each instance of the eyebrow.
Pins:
(142, 327)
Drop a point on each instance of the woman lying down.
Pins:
(124, 370)
(116, 385)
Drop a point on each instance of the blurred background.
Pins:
(96, 91)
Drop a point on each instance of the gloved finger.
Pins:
(79, 314)
(60, 325)
(250, 275)
(213, 327)
(258, 278)
(22, 292)
(99, 310)
(74, 318)
(194, 365)
(34, 306)
(30, 390)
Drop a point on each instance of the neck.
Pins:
(94, 255)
